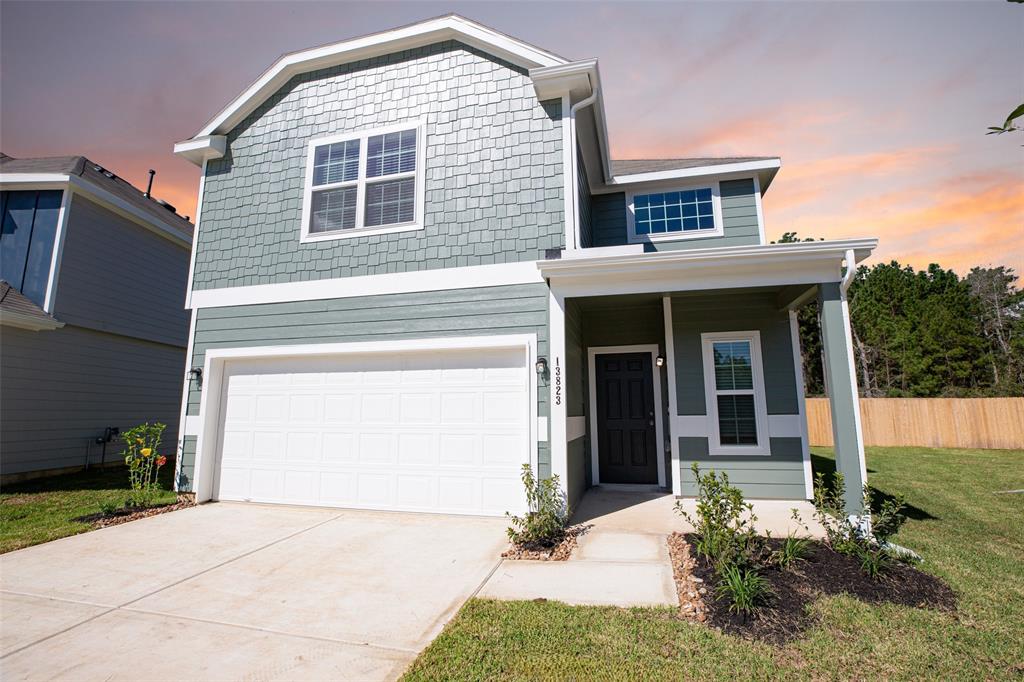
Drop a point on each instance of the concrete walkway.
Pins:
(623, 558)
(234, 591)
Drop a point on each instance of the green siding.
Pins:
(739, 215)
(187, 463)
(517, 309)
(776, 476)
(578, 479)
(575, 362)
(493, 171)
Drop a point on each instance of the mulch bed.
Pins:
(824, 572)
(126, 514)
(560, 551)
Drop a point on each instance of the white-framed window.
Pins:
(734, 393)
(363, 183)
(673, 213)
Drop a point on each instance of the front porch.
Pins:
(654, 373)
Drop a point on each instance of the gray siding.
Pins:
(779, 475)
(739, 215)
(61, 388)
(584, 204)
(518, 309)
(119, 277)
(494, 188)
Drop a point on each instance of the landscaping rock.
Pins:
(558, 552)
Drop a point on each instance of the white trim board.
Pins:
(716, 208)
(659, 408)
(210, 408)
(805, 439)
(439, 279)
(670, 370)
(697, 171)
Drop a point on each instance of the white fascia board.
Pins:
(15, 181)
(771, 165)
(371, 285)
(408, 37)
(198, 150)
(702, 269)
(10, 318)
(577, 79)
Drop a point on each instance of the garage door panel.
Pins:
(440, 431)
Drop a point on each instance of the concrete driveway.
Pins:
(233, 591)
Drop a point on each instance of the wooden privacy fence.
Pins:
(929, 422)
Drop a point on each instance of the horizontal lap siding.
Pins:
(117, 276)
(739, 217)
(779, 475)
(518, 309)
(60, 388)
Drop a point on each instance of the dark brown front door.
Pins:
(625, 418)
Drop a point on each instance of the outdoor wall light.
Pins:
(196, 374)
(660, 360)
(541, 366)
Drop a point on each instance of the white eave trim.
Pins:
(416, 35)
(200, 149)
(97, 194)
(769, 165)
(12, 318)
(862, 248)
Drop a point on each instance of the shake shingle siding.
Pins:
(494, 188)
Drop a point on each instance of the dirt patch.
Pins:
(689, 587)
(824, 573)
(560, 551)
(101, 520)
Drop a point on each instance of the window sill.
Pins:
(674, 236)
(306, 237)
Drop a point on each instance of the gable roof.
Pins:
(448, 27)
(19, 311)
(98, 176)
(639, 166)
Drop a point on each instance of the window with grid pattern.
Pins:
(734, 392)
(365, 180)
(667, 212)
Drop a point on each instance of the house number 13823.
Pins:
(558, 383)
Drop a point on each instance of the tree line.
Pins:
(927, 333)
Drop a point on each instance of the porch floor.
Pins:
(647, 511)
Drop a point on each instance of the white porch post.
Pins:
(556, 384)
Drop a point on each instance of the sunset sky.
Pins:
(878, 110)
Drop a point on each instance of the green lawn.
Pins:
(968, 535)
(45, 509)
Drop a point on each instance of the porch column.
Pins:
(556, 383)
(841, 384)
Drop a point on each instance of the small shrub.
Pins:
(544, 524)
(744, 588)
(724, 522)
(144, 462)
(109, 508)
(793, 549)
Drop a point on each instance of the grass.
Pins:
(970, 536)
(45, 509)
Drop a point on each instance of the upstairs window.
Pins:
(681, 213)
(734, 392)
(27, 240)
(364, 183)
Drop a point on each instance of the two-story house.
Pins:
(92, 330)
(417, 268)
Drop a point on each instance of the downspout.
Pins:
(851, 270)
(575, 166)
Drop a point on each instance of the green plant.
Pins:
(724, 522)
(544, 523)
(144, 462)
(874, 561)
(744, 588)
(793, 549)
(108, 508)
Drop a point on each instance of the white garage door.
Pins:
(439, 431)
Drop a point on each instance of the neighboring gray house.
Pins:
(417, 269)
(92, 329)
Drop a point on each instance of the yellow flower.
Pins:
(139, 441)
(146, 452)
